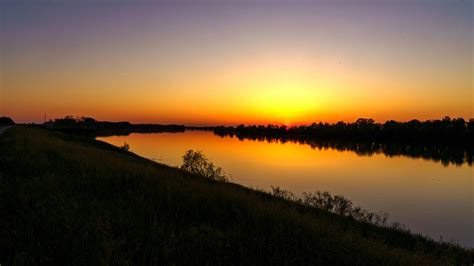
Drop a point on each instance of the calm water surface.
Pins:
(426, 196)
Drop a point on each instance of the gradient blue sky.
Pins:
(231, 62)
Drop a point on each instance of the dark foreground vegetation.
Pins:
(447, 140)
(73, 200)
(196, 162)
(87, 126)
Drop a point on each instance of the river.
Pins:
(427, 196)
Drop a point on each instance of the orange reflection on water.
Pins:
(426, 196)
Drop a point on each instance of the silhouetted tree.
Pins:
(6, 121)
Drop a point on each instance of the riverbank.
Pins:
(73, 200)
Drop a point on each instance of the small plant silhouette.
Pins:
(125, 146)
(197, 163)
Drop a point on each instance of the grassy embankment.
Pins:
(72, 200)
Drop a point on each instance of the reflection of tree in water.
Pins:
(446, 154)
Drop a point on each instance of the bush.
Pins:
(284, 194)
(125, 146)
(335, 204)
(196, 162)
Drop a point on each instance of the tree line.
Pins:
(449, 141)
(90, 126)
(446, 130)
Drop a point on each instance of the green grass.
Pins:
(71, 200)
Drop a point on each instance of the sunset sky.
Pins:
(236, 61)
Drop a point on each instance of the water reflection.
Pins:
(427, 197)
(444, 154)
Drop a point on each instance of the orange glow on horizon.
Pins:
(274, 67)
(269, 91)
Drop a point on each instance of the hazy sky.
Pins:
(231, 62)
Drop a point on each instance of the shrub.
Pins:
(196, 162)
(125, 146)
(335, 204)
(284, 194)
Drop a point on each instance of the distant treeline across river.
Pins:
(90, 127)
(447, 130)
(449, 141)
(446, 140)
